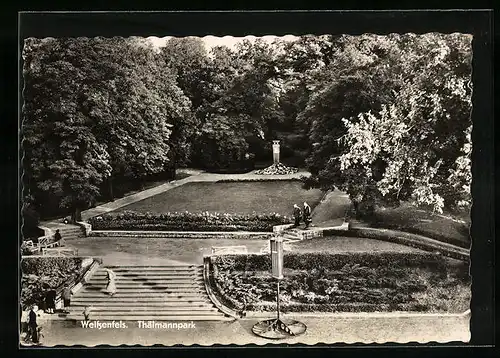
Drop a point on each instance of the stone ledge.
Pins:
(278, 229)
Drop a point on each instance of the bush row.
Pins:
(332, 261)
(186, 221)
(40, 274)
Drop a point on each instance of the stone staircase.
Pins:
(292, 235)
(161, 293)
(69, 231)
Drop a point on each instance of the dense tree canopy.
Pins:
(384, 118)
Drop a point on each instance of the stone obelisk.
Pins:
(276, 151)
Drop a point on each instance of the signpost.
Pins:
(278, 328)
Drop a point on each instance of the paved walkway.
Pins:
(327, 329)
(196, 176)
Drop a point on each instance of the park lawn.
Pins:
(347, 244)
(453, 230)
(233, 197)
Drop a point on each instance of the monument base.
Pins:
(279, 328)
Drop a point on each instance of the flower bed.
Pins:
(354, 282)
(277, 169)
(187, 221)
(42, 273)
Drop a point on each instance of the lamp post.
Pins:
(278, 328)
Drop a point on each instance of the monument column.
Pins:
(276, 151)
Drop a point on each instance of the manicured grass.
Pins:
(454, 230)
(347, 244)
(331, 210)
(237, 198)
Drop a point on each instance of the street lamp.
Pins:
(278, 328)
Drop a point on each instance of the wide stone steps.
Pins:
(134, 292)
(135, 303)
(145, 299)
(147, 293)
(140, 278)
(137, 308)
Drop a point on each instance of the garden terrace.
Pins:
(345, 282)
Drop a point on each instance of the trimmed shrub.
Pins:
(187, 221)
(42, 273)
(332, 261)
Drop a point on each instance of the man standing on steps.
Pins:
(296, 215)
(66, 296)
(307, 215)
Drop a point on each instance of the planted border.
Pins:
(343, 282)
(186, 221)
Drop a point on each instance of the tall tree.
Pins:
(94, 108)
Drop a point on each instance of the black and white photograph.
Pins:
(201, 190)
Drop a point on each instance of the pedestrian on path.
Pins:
(296, 214)
(50, 300)
(307, 215)
(32, 335)
(66, 296)
(111, 286)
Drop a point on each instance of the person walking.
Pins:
(66, 296)
(296, 214)
(307, 215)
(111, 286)
(50, 300)
(32, 326)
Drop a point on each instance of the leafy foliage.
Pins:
(384, 118)
(94, 109)
(41, 274)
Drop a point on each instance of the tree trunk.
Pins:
(77, 215)
(111, 195)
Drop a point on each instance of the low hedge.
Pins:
(42, 273)
(332, 261)
(186, 221)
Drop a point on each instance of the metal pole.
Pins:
(278, 300)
